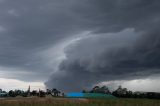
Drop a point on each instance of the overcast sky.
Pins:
(76, 44)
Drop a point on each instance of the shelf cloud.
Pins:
(79, 43)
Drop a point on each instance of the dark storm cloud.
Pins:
(123, 39)
(124, 53)
(100, 60)
(29, 27)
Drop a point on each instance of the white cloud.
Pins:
(147, 85)
(12, 84)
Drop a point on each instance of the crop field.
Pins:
(33, 101)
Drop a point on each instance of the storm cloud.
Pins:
(75, 44)
(124, 46)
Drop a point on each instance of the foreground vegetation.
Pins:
(77, 102)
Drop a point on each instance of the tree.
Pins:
(48, 91)
(55, 92)
(11, 93)
(25, 94)
(102, 89)
(34, 93)
(95, 89)
(105, 90)
(18, 92)
(84, 91)
(42, 93)
(0, 90)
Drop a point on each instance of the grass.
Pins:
(77, 102)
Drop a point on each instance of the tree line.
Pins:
(120, 92)
(124, 92)
(40, 93)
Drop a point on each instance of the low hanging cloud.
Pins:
(125, 46)
(107, 57)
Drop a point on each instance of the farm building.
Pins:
(90, 95)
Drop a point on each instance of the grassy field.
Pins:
(77, 102)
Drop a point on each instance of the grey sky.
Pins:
(63, 43)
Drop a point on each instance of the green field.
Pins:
(77, 102)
